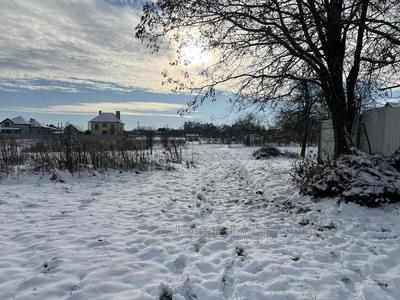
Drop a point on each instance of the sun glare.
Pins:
(194, 54)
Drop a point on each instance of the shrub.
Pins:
(10, 155)
(165, 292)
(306, 173)
(365, 179)
(395, 160)
(76, 155)
(268, 152)
(173, 151)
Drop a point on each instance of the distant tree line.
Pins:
(292, 124)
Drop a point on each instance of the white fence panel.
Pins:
(326, 149)
(379, 132)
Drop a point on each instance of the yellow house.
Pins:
(107, 124)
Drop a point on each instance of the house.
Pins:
(107, 124)
(37, 130)
(24, 129)
(55, 130)
(73, 130)
(7, 127)
(17, 126)
(19, 122)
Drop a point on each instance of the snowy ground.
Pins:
(231, 228)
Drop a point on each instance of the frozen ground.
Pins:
(231, 228)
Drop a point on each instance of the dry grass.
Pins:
(76, 155)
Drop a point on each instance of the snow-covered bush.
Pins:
(395, 160)
(290, 154)
(268, 152)
(368, 180)
(307, 172)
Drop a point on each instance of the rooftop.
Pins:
(19, 121)
(80, 129)
(35, 123)
(106, 118)
(392, 104)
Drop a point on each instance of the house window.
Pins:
(113, 126)
(104, 132)
(6, 124)
(104, 125)
(96, 126)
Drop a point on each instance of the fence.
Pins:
(326, 147)
(376, 131)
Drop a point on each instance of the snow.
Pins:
(227, 229)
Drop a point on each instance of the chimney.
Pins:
(118, 114)
(100, 112)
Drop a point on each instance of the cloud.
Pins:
(88, 42)
(73, 85)
(132, 108)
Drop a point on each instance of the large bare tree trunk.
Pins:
(304, 139)
(342, 113)
(342, 121)
(306, 115)
(334, 90)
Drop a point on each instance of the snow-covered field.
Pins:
(231, 228)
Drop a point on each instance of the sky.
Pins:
(64, 60)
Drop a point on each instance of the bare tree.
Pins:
(301, 113)
(265, 45)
